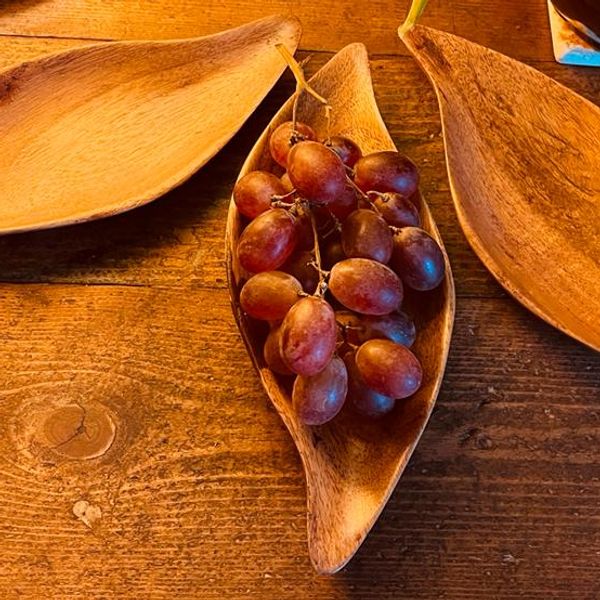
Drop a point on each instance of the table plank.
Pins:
(511, 26)
(201, 494)
(516, 28)
(123, 19)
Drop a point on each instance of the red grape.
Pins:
(418, 259)
(316, 172)
(325, 221)
(363, 399)
(300, 265)
(306, 237)
(397, 210)
(397, 327)
(366, 235)
(318, 398)
(308, 336)
(269, 295)
(272, 353)
(252, 193)
(417, 200)
(365, 203)
(386, 172)
(345, 148)
(389, 368)
(267, 241)
(366, 286)
(344, 204)
(287, 184)
(284, 137)
(353, 327)
(332, 251)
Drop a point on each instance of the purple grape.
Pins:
(301, 266)
(366, 286)
(397, 327)
(306, 237)
(286, 183)
(345, 148)
(319, 398)
(269, 295)
(285, 136)
(344, 204)
(272, 353)
(332, 252)
(397, 210)
(389, 368)
(308, 336)
(386, 172)
(418, 259)
(316, 172)
(268, 241)
(363, 399)
(252, 193)
(366, 235)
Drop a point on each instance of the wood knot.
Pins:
(78, 432)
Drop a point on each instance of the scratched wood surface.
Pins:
(139, 456)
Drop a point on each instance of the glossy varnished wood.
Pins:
(351, 466)
(201, 492)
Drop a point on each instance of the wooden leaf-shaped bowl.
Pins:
(101, 129)
(352, 465)
(523, 155)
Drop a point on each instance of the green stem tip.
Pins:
(414, 14)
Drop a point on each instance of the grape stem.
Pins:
(282, 204)
(356, 188)
(322, 285)
(372, 202)
(414, 14)
(303, 86)
(336, 226)
(367, 196)
(344, 328)
(282, 197)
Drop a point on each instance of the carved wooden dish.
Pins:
(523, 156)
(101, 129)
(352, 465)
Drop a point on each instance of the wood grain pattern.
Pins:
(122, 123)
(351, 467)
(204, 496)
(512, 27)
(524, 169)
(201, 494)
(149, 19)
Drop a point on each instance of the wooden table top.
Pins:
(201, 492)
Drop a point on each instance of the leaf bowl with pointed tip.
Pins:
(352, 465)
(523, 158)
(101, 129)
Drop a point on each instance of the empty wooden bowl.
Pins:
(352, 465)
(101, 129)
(523, 156)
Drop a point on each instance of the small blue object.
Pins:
(569, 47)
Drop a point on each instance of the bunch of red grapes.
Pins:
(341, 230)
